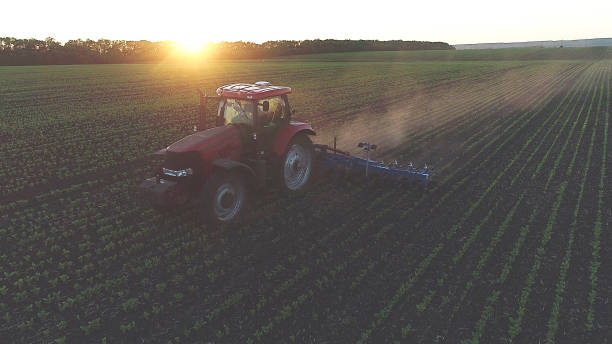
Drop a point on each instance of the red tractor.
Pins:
(253, 142)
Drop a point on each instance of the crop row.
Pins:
(91, 262)
(104, 137)
(381, 232)
(513, 255)
(453, 230)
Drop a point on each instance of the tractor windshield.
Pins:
(236, 111)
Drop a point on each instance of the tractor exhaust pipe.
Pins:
(202, 121)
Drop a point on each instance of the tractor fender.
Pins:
(229, 165)
(287, 133)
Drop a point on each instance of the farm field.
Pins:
(506, 54)
(511, 243)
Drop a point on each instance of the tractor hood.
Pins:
(213, 137)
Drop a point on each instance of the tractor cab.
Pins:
(259, 110)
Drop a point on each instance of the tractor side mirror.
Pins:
(265, 106)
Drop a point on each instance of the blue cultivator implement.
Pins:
(335, 159)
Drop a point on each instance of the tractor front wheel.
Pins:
(296, 165)
(224, 198)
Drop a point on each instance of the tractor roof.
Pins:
(252, 91)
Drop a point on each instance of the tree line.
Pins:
(14, 51)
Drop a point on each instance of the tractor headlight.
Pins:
(179, 173)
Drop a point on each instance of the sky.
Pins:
(454, 22)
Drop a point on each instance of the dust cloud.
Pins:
(423, 126)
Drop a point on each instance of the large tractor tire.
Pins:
(297, 163)
(224, 198)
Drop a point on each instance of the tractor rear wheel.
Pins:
(224, 198)
(296, 165)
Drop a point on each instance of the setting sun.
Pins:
(191, 45)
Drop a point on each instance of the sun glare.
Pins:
(191, 45)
